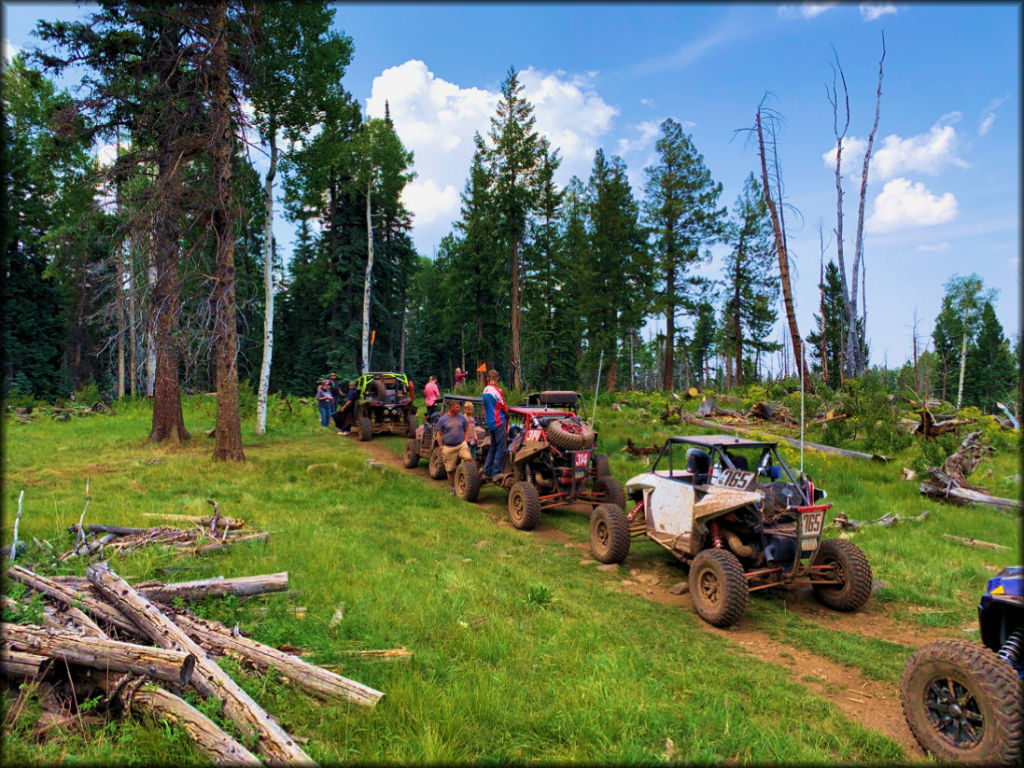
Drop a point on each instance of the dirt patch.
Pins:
(874, 704)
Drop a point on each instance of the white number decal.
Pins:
(533, 435)
(732, 478)
(582, 458)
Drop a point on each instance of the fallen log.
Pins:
(161, 664)
(216, 587)
(262, 536)
(309, 677)
(973, 542)
(69, 598)
(388, 654)
(22, 665)
(117, 530)
(210, 680)
(639, 450)
(942, 486)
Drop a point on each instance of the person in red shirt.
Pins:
(431, 395)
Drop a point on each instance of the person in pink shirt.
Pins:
(431, 394)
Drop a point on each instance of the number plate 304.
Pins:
(582, 459)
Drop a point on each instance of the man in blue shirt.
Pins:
(454, 428)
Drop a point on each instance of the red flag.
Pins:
(482, 368)
(373, 337)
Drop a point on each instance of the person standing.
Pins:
(460, 379)
(332, 383)
(430, 395)
(324, 402)
(496, 416)
(471, 438)
(453, 441)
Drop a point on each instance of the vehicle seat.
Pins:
(740, 462)
(698, 462)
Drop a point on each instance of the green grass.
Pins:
(519, 653)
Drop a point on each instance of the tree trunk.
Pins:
(168, 421)
(366, 283)
(309, 677)
(23, 666)
(401, 343)
(172, 666)
(737, 328)
(667, 374)
(217, 587)
(963, 367)
(132, 341)
(515, 375)
(210, 680)
(151, 274)
(70, 598)
(228, 432)
(780, 246)
(268, 286)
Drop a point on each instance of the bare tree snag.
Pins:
(858, 251)
(309, 677)
(171, 666)
(210, 680)
(783, 254)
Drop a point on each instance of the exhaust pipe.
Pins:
(736, 545)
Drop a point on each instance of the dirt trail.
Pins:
(872, 703)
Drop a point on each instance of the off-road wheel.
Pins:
(411, 457)
(601, 466)
(413, 423)
(962, 703)
(570, 434)
(612, 490)
(524, 506)
(559, 396)
(365, 428)
(854, 573)
(609, 533)
(467, 481)
(437, 471)
(718, 587)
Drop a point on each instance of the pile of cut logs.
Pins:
(104, 636)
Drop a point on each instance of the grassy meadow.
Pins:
(519, 652)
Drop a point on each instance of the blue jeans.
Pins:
(496, 453)
(325, 407)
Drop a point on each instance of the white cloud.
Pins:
(804, 10)
(988, 115)
(429, 202)
(10, 51)
(872, 11)
(903, 204)
(933, 247)
(647, 102)
(436, 119)
(731, 29)
(647, 129)
(925, 153)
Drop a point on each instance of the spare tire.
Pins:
(570, 434)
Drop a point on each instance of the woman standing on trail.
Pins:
(431, 394)
(324, 402)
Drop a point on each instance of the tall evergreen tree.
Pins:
(958, 323)
(831, 327)
(682, 212)
(990, 376)
(516, 151)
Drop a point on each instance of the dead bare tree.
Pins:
(779, 231)
(856, 339)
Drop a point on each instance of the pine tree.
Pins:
(832, 327)
(990, 375)
(681, 211)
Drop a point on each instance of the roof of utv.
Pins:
(719, 441)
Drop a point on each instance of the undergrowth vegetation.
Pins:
(520, 653)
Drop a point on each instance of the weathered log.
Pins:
(134, 695)
(973, 542)
(68, 597)
(942, 486)
(965, 460)
(389, 654)
(761, 411)
(22, 665)
(210, 680)
(117, 530)
(223, 522)
(216, 587)
(309, 677)
(220, 544)
(172, 666)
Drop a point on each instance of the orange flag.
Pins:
(482, 368)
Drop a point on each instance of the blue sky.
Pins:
(943, 195)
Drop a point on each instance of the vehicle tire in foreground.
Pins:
(413, 423)
(601, 466)
(411, 457)
(609, 533)
(437, 464)
(467, 481)
(718, 587)
(962, 703)
(524, 506)
(570, 434)
(853, 569)
(365, 428)
(612, 490)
